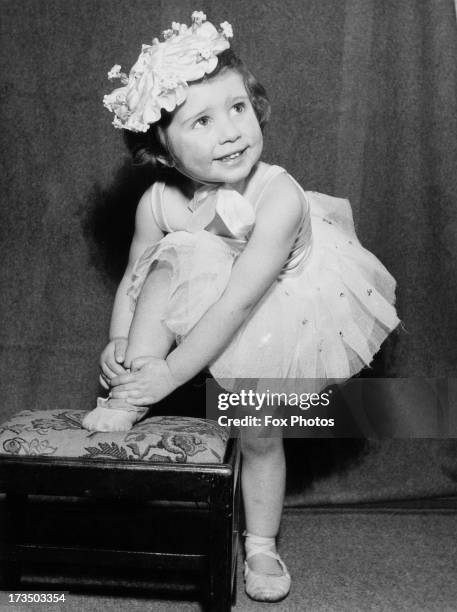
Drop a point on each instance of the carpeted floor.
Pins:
(381, 560)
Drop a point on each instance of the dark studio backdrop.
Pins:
(364, 105)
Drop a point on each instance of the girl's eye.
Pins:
(202, 122)
(239, 107)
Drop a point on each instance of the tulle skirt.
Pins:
(322, 321)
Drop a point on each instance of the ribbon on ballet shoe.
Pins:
(260, 586)
(119, 404)
(255, 544)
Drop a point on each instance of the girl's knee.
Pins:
(159, 273)
(258, 447)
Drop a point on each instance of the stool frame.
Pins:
(216, 485)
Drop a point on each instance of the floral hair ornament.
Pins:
(159, 78)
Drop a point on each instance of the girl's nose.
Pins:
(229, 131)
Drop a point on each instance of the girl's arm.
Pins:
(258, 266)
(147, 233)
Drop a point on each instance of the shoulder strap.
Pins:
(304, 194)
(265, 180)
(269, 175)
(157, 206)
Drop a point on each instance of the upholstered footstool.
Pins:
(165, 473)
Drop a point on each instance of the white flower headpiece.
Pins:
(159, 78)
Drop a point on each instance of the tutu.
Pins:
(323, 319)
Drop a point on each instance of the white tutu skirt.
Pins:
(322, 321)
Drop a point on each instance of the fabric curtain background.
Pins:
(364, 107)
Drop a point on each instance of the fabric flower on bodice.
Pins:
(236, 211)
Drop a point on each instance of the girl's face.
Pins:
(214, 137)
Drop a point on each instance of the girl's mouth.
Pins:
(232, 156)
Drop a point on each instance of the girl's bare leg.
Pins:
(263, 479)
(148, 336)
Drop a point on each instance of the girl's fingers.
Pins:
(119, 349)
(132, 395)
(111, 369)
(123, 379)
(119, 357)
(103, 381)
(106, 371)
(128, 388)
(115, 367)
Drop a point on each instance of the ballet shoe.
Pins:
(113, 415)
(262, 586)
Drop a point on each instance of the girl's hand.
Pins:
(149, 381)
(111, 359)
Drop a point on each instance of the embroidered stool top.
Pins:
(165, 439)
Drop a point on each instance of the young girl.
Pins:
(237, 268)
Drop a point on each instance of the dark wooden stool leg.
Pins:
(220, 546)
(235, 532)
(14, 522)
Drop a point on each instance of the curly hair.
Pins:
(146, 148)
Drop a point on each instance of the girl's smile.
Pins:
(232, 157)
(215, 136)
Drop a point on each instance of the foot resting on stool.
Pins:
(266, 576)
(113, 415)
